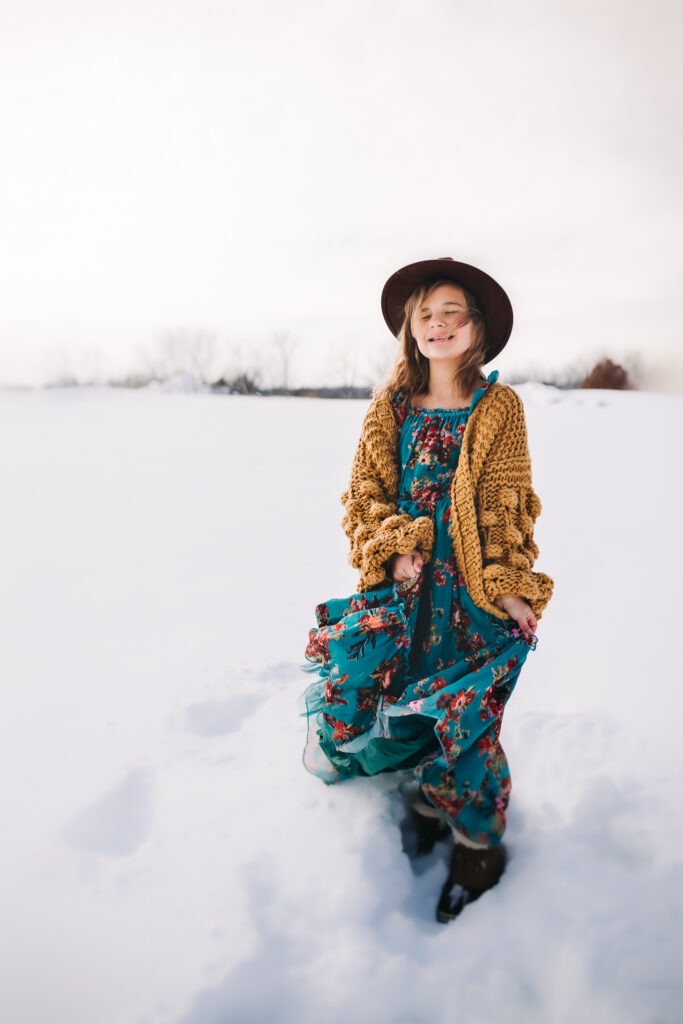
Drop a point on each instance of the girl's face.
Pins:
(438, 325)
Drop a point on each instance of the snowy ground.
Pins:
(166, 858)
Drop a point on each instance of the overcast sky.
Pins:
(258, 167)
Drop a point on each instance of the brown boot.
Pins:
(472, 872)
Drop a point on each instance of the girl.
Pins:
(415, 669)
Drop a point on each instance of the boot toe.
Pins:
(472, 873)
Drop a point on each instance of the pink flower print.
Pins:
(373, 620)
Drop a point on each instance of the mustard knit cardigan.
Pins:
(493, 504)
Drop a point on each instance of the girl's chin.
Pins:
(443, 355)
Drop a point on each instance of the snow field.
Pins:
(165, 856)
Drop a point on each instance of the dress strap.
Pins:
(491, 379)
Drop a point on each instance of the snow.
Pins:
(165, 856)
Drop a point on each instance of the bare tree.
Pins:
(356, 362)
(74, 367)
(183, 350)
(380, 359)
(346, 365)
(242, 369)
(284, 344)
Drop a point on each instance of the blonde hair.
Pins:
(409, 373)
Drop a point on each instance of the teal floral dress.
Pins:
(413, 675)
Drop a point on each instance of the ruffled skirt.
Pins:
(380, 701)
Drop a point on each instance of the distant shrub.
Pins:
(240, 384)
(607, 374)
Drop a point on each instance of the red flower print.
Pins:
(400, 408)
(322, 614)
(445, 798)
(368, 698)
(485, 745)
(493, 701)
(450, 566)
(456, 703)
(361, 602)
(439, 576)
(387, 671)
(341, 732)
(373, 620)
(333, 691)
(318, 647)
(437, 684)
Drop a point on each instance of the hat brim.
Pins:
(493, 301)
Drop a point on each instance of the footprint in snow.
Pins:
(118, 823)
(219, 717)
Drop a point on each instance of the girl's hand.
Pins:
(404, 567)
(518, 610)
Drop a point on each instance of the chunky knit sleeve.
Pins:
(372, 522)
(507, 510)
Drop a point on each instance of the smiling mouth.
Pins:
(443, 337)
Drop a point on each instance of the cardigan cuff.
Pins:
(396, 535)
(534, 587)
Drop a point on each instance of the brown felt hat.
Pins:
(493, 301)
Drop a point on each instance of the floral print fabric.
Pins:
(413, 674)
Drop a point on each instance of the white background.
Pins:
(253, 168)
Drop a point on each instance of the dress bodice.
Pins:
(429, 448)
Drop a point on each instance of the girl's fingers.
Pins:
(407, 566)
